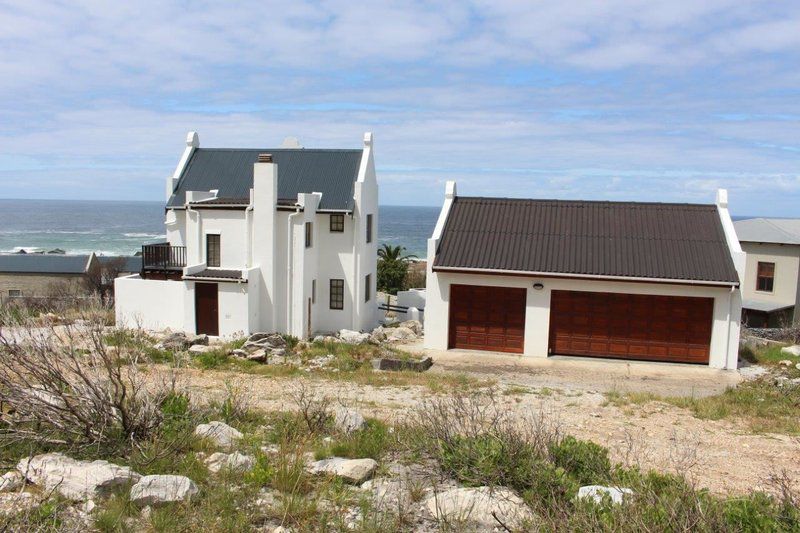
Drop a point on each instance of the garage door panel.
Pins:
(487, 318)
(661, 328)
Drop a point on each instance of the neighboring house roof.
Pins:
(128, 263)
(44, 263)
(765, 307)
(606, 239)
(774, 230)
(303, 170)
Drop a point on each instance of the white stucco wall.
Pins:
(537, 312)
(153, 304)
(234, 318)
(365, 315)
(334, 261)
(787, 265)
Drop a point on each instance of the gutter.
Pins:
(289, 267)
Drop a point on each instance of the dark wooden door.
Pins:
(631, 326)
(487, 318)
(206, 308)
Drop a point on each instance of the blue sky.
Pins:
(620, 99)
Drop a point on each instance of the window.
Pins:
(337, 223)
(368, 287)
(14, 293)
(369, 228)
(309, 233)
(313, 291)
(766, 277)
(337, 294)
(212, 250)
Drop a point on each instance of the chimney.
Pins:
(265, 158)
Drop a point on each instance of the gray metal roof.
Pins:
(129, 263)
(616, 239)
(216, 273)
(775, 230)
(43, 263)
(331, 172)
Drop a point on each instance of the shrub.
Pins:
(586, 461)
(370, 441)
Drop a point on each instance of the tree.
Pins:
(392, 268)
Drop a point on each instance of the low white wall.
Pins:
(153, 304)
(412, 298)
(724, 335)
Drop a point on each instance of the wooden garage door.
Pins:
(631, 326)
(487, 318)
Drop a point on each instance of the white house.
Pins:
(281, 239)
(630, 280)
(771, 284)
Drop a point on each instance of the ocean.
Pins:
(120, 228)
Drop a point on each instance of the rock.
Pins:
(389, 494)
(264, 340)
(200, 348)
(413, 325)
(198, 340)
(400, 333)
(17, 502)
(797, 366)
(268, 498)
(355, 471)
(259, 356)
(378, 335)
(477, 504)
(348, 420)
(73, 479)
(242, 354)
(176, 342)
(353, 337)
(88, 506)
(237, 462)
(791, 350)
(218, 432)
(155, 490)
(11, 481)
(598, 493)
(277, 352)
(786, 363)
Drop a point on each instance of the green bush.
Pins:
(211, 359)
(586, 461)
(370, 441)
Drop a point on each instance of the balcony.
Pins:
(163, 261)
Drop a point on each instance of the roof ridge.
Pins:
(565, 201)
(299, 150)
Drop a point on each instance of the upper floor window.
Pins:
(14, 293)
(368, 287)
(337, 223)
(309, 234)
(213, 256)
(369, 228)
(765, 279)
(337, 294)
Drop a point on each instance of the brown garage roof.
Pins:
(608, 239)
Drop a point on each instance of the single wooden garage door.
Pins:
(487, 318)
(631, 326)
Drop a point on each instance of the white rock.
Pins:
(154, 490)
(792, 350)
(88, 506)
(353, 337)
(400, 333)
(200, 348)
(785, 363)
(598, 492)
(477, 504)
(11, 481)
(348, 420)
(218, 432)
(73, 479)
(355, 471)
(414, 325)
(237, 462)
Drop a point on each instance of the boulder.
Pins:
(73, 479)
(264, 340)
(258, 356)
(11, 481)
(348, 420)
(355, 471)
(791, 350)
(200, 348)
(598, 493)
(177, 342)
(238, 352)
(480, 505)
(155, 490)
(219, 433)
(378, 335)
(353, 337)
(237, 462)
(413, 325)
(198, 340)
(399, 334)
(389, 494)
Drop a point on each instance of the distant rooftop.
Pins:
(127, 263)
(44, 263)
(773, 230)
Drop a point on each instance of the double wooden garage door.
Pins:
(630, 326)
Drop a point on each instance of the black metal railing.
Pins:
(163, 257)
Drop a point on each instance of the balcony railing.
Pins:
(163, 257)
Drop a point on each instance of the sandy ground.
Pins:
(720, 455)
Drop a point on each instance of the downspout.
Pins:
(289, 269)
(248, 223)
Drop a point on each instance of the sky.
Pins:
(578, 99)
